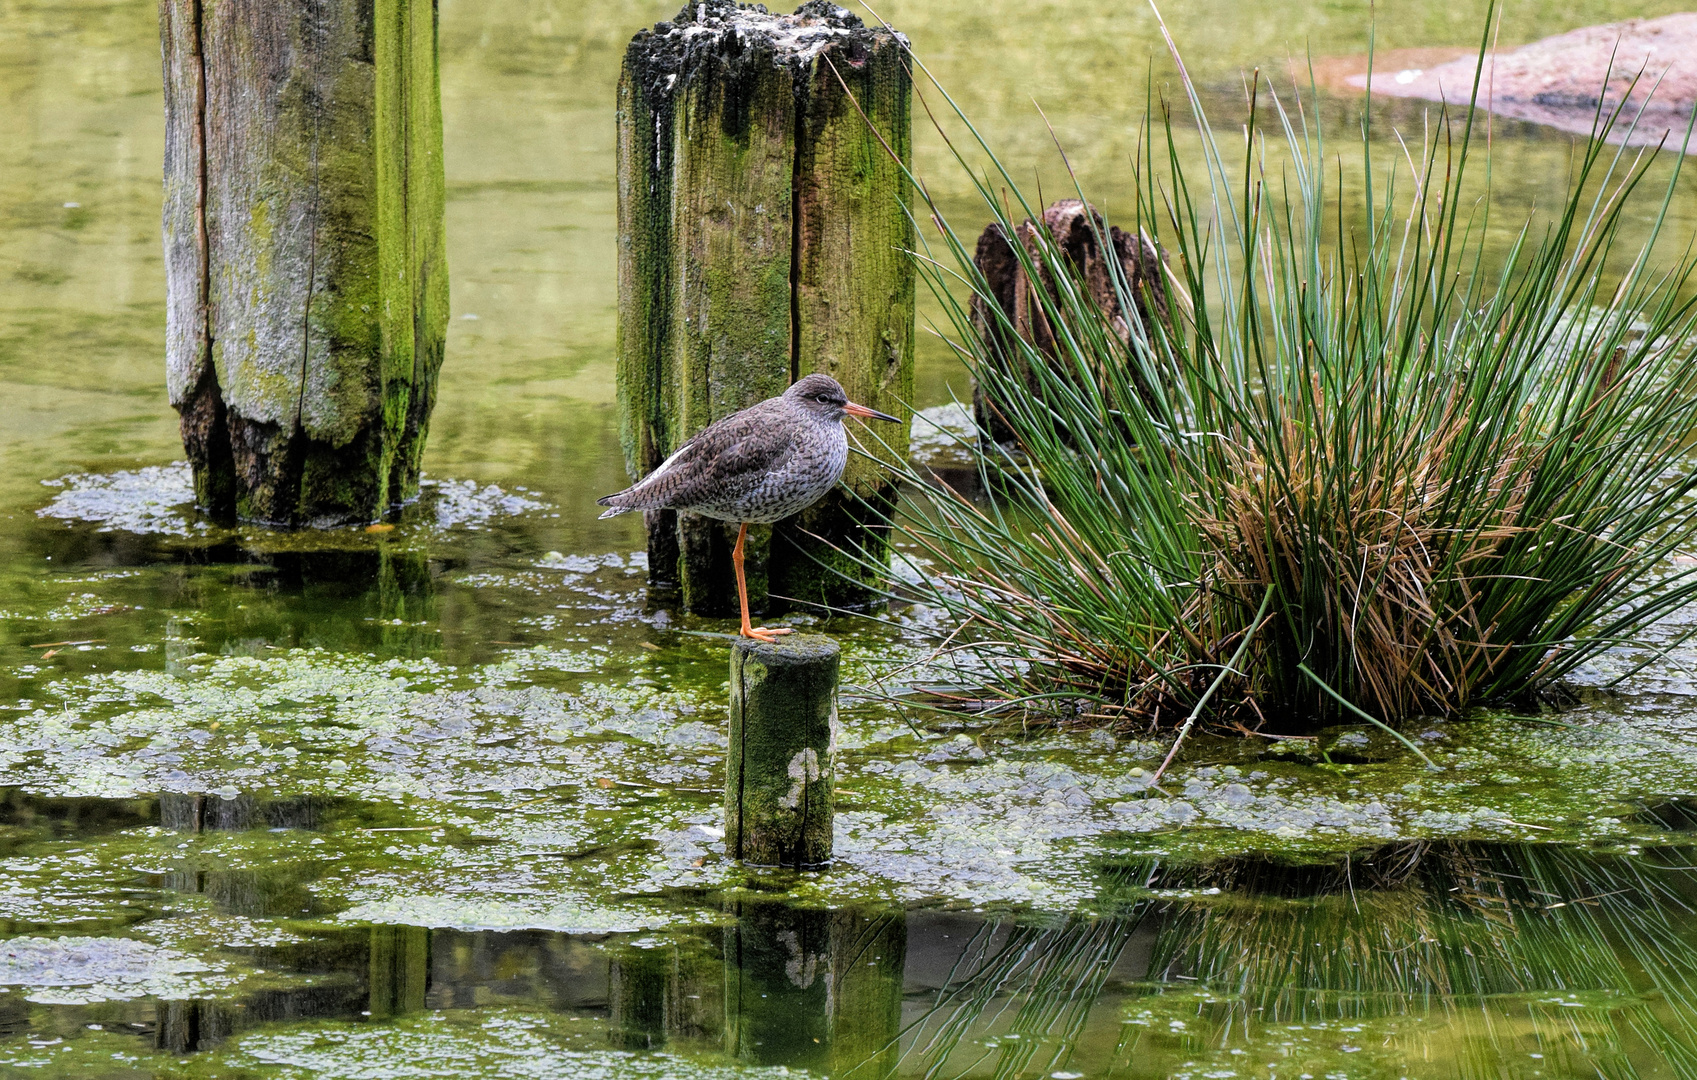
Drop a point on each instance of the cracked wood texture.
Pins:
(763, 237)
(780, 768)
(306, 273)
(1076, 234)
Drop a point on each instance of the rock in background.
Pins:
(1648, 64)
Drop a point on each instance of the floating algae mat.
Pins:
(431, 802)
(442, 798)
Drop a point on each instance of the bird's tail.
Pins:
(612, 510)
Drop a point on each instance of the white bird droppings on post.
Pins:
(804, 768)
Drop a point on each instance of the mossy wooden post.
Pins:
(780, 770)
(306, 280)
(762, 237)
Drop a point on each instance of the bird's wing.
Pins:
(722, 461)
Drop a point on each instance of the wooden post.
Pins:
(1077, 232)
(762, 237)
(306, 280)
(780, 771)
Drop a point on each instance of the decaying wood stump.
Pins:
(306, 277)
(780, 767)
(762, 237)
(1076, 231)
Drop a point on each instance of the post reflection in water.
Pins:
(277, 891)
(786, 985)
(1453, 959)
(814, 989)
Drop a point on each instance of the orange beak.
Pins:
(868, 414)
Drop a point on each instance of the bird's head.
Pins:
(823, 396)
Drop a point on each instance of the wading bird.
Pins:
(771, 460)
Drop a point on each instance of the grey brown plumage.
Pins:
(771, 460)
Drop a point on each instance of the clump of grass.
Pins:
(1362, 471)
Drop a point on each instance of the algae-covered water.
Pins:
(442, 799)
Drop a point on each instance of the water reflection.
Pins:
(780, 985)
(186, 1027)
(279, 890)
(1566, 961)
(1460, 959)
(1450, 958)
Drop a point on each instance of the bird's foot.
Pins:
(768, 634)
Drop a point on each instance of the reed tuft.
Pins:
(1358, 467)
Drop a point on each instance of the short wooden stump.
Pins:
(780, 771)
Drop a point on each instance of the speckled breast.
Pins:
(814, 468)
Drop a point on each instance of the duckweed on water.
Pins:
(319, 798)
(70, 971)
(159, 500)
(530, 786)
(491, 1044)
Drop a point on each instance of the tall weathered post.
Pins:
(306, 276)
(763, 236)
(780, 767)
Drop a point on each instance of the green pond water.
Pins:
(443, 800)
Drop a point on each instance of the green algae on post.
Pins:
(305, 249)
(781, 761)
(762, 237)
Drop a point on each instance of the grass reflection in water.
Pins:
(1422, 959)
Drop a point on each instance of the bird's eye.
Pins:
(823, 399)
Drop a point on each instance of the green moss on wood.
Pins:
(706, 578)
(780, 769)
(322, 266)
(762, 236)
(854, 305)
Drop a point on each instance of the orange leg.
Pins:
(759, 633)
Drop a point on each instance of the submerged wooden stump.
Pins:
(306, 279)
(762, 237)
(780, 769)
(1077, 233)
